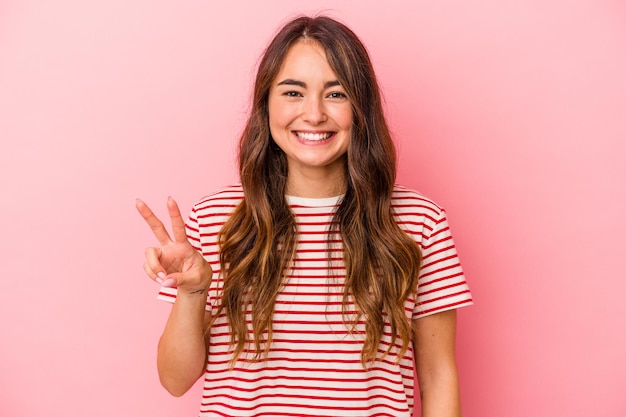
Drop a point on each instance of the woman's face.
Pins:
(310, 116)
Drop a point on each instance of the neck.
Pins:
(299, 184)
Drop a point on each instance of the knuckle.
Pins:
(152, 253)
(148, 270)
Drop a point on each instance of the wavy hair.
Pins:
(258, 242)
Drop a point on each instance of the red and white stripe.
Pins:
(314, 364)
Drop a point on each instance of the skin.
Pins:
(304, 99)
(435, 364)
(182, 349)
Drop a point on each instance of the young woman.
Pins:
(314, 286)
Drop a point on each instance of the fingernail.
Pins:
(160, 277)
(169, 282)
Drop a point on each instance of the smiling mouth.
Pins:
(314, 136)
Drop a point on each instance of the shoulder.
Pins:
(416, 214)
(406, 202)
(222, 201)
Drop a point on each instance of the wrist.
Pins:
(197, 292)
(192, 304)
(192, 295)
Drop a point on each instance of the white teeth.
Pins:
(313, 136)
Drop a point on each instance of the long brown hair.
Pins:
(258, 242)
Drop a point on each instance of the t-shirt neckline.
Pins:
(313, 202)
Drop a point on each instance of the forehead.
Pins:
(305, 59)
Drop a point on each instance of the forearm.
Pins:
(182, 355)
(440, 396)
(435, 364)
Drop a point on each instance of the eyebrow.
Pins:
(302, 84)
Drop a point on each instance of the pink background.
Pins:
(511, 114)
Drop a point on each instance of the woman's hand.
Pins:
(175, 263)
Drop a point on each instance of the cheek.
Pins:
(344, 118)
(279, 116)
(341, 113)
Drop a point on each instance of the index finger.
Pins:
(155, 224)
(178, 224)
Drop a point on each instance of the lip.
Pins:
(313, 137)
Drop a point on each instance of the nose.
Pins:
(313, 111)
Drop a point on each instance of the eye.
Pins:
(336, 95)
(292, 94)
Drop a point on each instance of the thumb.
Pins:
(172, 280)
(182, 280)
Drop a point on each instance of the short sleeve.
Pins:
(441, 284)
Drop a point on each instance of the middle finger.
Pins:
(153, 221)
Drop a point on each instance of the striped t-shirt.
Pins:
(314, 364)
